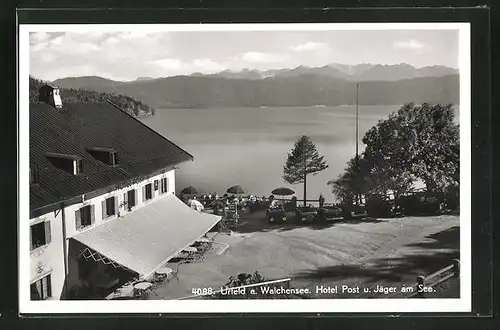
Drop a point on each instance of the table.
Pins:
(164, 272)
(203, 240)
(142, 286)
(190, 249)
(141, 289)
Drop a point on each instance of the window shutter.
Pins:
(143, 194)
(45, 292)
(103, 205)
(47, 232)
(78, 219)
(125, 201)
(31, 241)
(166, 183)
(49, 286)
(92, 214)
(136, 197)
(116, 205)
(39, 289)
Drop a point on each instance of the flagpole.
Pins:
(357, 119)
(357, 133)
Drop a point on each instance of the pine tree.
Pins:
(303, 160)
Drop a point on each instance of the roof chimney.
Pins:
(50, 95)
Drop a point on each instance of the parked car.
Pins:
(306, 214)
(423, 203)
(380, 206)
(353, 211)
(330, 212)
(276, 214)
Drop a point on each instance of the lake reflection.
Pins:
(249, 146)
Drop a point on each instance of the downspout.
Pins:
(65, 250)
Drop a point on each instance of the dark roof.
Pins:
(101, 149)
(76, 128)
(65, 156)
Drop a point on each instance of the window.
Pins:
(33, 173)
(109, 207)
(78, 166)
(156, 185)
(164, 185)
(148, 192)
(84, 217)
(130, 199)
(41, 289)
(72, 164)
(108, 156)
(39, 234)
(113, 158)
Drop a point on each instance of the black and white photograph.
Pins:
(245, 167)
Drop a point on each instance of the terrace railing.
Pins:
(425, 284)
(436, 278)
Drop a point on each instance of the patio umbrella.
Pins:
(235, 190)
(189, 191)
(282, 191)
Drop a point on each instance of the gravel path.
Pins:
(389, 252)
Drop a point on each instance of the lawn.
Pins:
(364, 253)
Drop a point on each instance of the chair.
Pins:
(175, 273)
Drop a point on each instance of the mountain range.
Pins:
(358, 72)
(333, 84)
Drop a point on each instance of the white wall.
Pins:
(97, 202)
(51, 256)
(48, 259)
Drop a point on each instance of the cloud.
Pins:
(411, 44)
(176, 66)
(169, 63)
(37, 37)
(310, 46)
(258, 57)
(117, 54)
(207, 65)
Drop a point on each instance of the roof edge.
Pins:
(149, 128)
(68, 201)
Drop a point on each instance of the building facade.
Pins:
(89, 164)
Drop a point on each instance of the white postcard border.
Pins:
(462, 304)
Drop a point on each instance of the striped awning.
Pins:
(144, 239)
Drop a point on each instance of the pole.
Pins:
(357, 119)
(65, 249)
(357, 134)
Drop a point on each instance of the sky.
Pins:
(127, 55)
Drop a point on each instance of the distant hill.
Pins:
(72, 95)
(358, 72)
(144, 78)
(292, 89)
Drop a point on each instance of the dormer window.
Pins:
(72, 164)
(33, 173)
(50, 95)
(113, 158)
(106, 155)
(78, 166)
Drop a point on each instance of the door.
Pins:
(131, 198)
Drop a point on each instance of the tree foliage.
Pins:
(418, 142)
(304, 159)
(71, 95)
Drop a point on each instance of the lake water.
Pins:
(249, 146)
